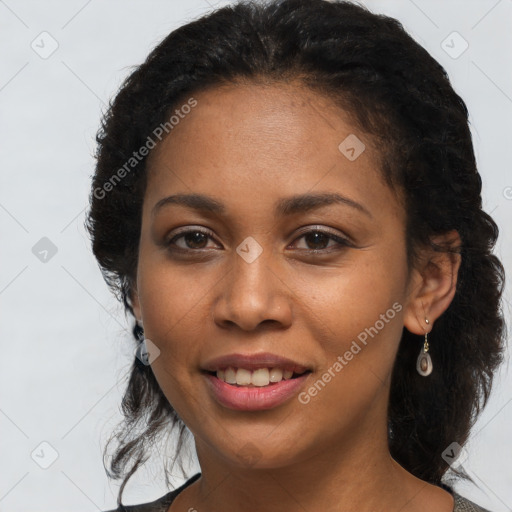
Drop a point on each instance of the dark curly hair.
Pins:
(395, 92)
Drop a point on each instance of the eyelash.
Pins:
(342, 242)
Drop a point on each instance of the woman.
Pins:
(287, 201)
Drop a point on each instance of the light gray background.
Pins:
(65, 346)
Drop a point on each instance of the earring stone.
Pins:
(424, 364)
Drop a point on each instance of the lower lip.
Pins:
(254, 398)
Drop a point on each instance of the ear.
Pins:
(432, 283)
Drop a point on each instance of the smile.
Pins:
(242, 395)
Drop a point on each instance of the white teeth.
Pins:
(243, 377)
(229, 375)
(260, 377)
(276, 375)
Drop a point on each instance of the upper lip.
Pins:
(253, 362)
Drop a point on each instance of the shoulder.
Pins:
(464, 505)
(159, 505)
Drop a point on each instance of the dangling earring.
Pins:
(424, 362)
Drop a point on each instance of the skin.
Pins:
(247, 146)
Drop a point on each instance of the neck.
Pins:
(360, 475)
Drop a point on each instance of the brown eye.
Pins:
(318, 241)
(192, 239)
(195, 239)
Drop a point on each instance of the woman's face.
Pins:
(246, 280)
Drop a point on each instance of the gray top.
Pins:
(162, 504)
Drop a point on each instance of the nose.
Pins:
(252, 294)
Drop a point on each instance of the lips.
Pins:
(288, 377)
(245, 398)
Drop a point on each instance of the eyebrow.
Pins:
(287, 206)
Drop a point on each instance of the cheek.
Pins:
(356, 313)
(348, 300)
(173, 304)
(357, 329)
(174, 313)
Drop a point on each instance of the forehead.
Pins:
(283, 121)
(254, 139)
